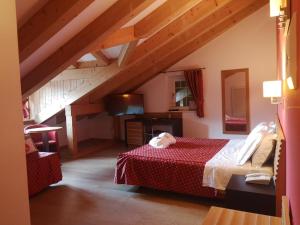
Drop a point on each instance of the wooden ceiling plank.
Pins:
(162, 16)
(47, 22)
(180, 46)
(152, 23)
(85, 41)
(119, 37)
(126, 51)
(189, 47)
(178, 26)
(215, 16)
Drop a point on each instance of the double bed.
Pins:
(178, 168)
(200, 167)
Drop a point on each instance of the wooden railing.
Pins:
(66, 88)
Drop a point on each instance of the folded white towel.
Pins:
(169, 136)
(159, 142)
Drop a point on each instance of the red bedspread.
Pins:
(178, 168)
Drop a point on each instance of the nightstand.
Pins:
(255, 198)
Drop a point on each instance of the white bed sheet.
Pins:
(219, 169)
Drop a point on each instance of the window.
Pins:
(182, 94)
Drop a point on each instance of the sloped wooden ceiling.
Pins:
(97, 32)
(191, 31)
(172, 31)
(46, 22)
(86, 40)
(193, 39)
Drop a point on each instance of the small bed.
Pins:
(235, 123)
(182, 167)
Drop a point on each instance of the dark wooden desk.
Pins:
(139, 131)
(250, 197)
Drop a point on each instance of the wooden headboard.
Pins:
(280, 166)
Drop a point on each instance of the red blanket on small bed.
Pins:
(178, 168)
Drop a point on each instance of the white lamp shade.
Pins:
(275, 7)
(272, 88)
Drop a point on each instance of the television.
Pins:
(125, 104)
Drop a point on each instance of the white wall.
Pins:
(14, 205)
(249, 44)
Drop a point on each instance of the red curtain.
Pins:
(195, 82)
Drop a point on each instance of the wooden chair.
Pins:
(223, 216)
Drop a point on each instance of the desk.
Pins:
(139, 131)
(44, 131)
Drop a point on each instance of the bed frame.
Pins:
(279, 166)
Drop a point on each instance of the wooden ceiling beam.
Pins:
(85, 41)
(47, 22)
(177, 27)
(190, 46)
(126, 51)
(162, 16)
(182, 45)
(119, 37)
(153, 22)
(87, 109)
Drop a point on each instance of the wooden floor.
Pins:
(88, 196)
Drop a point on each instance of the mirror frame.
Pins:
(224, 75)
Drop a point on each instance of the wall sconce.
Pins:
(272, 89)
(275, 8)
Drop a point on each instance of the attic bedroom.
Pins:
(150, 112)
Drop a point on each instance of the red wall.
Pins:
(289, 113)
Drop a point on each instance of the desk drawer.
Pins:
(135, 125)
(134, 133)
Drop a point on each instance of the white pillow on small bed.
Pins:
(250, 146)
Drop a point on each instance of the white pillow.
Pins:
(245, 147)
(263, 126)
(272, 128)
(249, 148)
(259, 128)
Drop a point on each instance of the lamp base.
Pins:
(276, 100)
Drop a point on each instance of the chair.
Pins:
(38, 138)
(43, 169)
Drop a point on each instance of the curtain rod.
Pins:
(173, 71)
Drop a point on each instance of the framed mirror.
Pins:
(235, 101)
